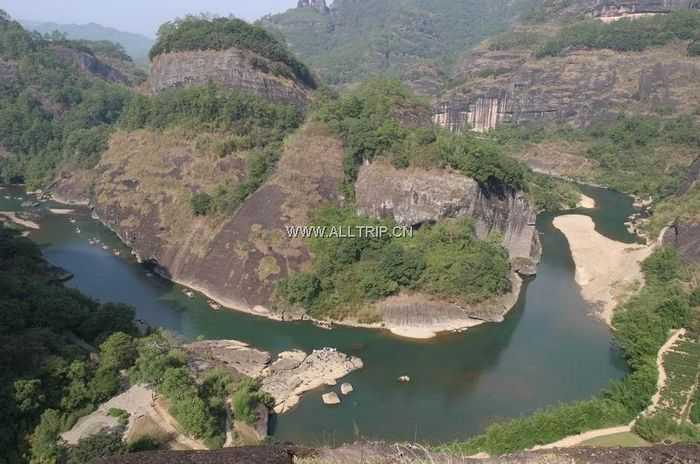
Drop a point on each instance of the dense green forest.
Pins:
(446, 260)
(627, 35)
(202, 33)
(642, 326)
(51, 114)
(391, 37)
(62, 354)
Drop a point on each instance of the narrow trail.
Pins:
(575, 440)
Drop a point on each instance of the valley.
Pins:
(539, 156)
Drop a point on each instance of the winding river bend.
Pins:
(547, 351)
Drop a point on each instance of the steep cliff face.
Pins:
(579, 88)
(612, 10)
(143, 190)
(319, 5)
(415, 197)
(232, 68)
(89, 63)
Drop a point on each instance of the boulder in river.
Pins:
(346, 388)
(331, 398)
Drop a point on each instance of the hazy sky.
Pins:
(143, 16)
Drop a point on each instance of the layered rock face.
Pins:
(232, 68)
(612, 10)
(415, 197)
(319, 5)
(143, 190)
(579, 89)
(90, 64)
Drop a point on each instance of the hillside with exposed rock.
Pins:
(529, 76)
(348, 40)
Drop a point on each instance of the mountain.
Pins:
(136, 45)
(416, 40)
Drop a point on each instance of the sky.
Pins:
(142, 16)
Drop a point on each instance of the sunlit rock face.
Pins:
(232, 68)
(413, 197)
(319, 5)
(613, 10)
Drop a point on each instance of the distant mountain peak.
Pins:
(319, 5)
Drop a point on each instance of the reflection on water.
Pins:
(547, 350)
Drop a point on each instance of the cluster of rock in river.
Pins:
(286, 378)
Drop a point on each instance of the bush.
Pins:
(246, 399)
(662, 426)
(694, 48)
(201, 203)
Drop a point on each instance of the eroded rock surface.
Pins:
(286, 378)
(580, 88)
(143, 194)
(89, 63)
(417, 196)
(232, 68)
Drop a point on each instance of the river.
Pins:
(548, 350)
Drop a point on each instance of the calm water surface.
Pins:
(547, 351)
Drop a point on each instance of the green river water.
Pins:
(548, 350)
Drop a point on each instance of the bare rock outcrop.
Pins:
(417, 196)
(142, 193)
(611, 10)
(319, 5)
(579, 89)
(233, 68)
(89, 63)
(286, 378)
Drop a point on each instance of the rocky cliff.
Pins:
(319, 5)
(89, 63)
(232, 68)
(143, 189)
(612, 10)
(414, 197)
(580, 88)
(503, 80)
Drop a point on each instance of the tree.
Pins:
(29, 395)
(100, 445)
(44, 440)
(118, 351)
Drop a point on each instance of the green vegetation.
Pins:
(246, 399)
(446, 260)
(390, 37)
(625, 35)
(642, 326)
(245, 123)
(643, 156)
(371, 121)
(515, 40)
(51, 114)
(663, 427)
(203, 33)
(48, 379)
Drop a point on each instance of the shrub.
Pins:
(201, 203)
(694, 48)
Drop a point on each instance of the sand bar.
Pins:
(607, 271)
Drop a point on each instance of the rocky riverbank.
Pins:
(287, 378)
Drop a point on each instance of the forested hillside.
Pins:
(415, 40)
(136, 45)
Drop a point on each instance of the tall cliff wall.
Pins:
(414, 197)
(580, 88)
(611, 10)
(232, 68)
(143, 192)
(89, 63)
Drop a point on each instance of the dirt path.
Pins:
(661, 382)
(575, 440)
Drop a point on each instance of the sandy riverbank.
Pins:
(586, 202)
(607, 271)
